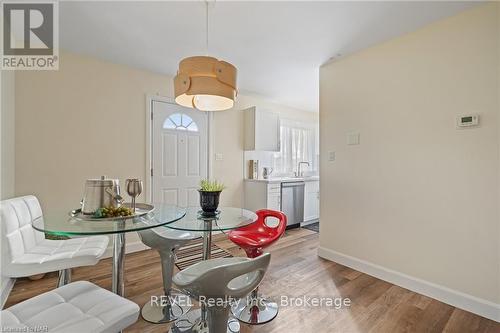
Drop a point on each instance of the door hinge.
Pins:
(151, 115)
(151, 172)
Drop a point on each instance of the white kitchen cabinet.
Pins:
(274, 196)
(262, 130)
(261, 195)
(311, 201)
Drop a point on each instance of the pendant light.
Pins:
(205, 83)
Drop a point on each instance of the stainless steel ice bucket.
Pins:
(101, 193)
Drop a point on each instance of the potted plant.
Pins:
(209, 195)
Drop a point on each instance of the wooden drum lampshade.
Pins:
(205, 83)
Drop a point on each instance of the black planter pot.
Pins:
(209, 201)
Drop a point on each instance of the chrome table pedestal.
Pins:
(117, 281)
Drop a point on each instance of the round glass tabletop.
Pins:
(63, 225)
(228, 218)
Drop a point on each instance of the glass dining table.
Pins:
(62, 224)
(225, 219)
(191, 218)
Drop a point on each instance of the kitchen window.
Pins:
(299, 143)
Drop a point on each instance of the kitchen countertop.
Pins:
(284, 179)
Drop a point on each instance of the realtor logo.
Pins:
(30, 35)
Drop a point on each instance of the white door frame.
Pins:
(150, 98)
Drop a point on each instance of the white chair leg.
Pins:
(64, 277)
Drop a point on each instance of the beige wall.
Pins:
(498, 105)
(82, 121)
(7, 167)
(417, 196)
(89, 118)
(7, 134)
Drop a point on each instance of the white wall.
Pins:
(418, 200)
(7, 134)
(229, 141)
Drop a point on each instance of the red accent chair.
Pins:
(253, 239)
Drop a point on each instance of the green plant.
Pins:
(211, 186)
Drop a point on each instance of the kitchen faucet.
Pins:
(299, 172)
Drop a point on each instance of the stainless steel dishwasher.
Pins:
(292, 203)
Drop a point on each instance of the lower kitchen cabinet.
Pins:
(274, 201)
(261, 194)
(311, 201)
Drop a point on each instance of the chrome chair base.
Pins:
(255, 311)
(158, 313)
(192, 322)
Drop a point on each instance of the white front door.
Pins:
(179, 153)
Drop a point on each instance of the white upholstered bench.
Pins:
(78, 307)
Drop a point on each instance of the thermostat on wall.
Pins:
(469, 120)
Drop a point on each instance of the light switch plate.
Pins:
(353, 138)
(219, 156)
(331, 156)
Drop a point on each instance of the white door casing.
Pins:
(179, 153)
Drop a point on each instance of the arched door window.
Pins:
(180, 121)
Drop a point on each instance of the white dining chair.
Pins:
(216, 283)
(167, 307)
(76, 307)
(26, 252)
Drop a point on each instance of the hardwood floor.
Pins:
(296, 270)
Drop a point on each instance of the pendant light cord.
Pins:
(206, 28)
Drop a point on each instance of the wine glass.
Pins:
(134, 189)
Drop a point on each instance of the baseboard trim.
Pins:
(303, 224)
(6, 289)
(446, 295)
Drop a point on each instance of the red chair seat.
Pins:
(257, 236)
(243, 240)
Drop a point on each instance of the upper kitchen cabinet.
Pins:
(262, 130)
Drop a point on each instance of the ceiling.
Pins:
(276, 46)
